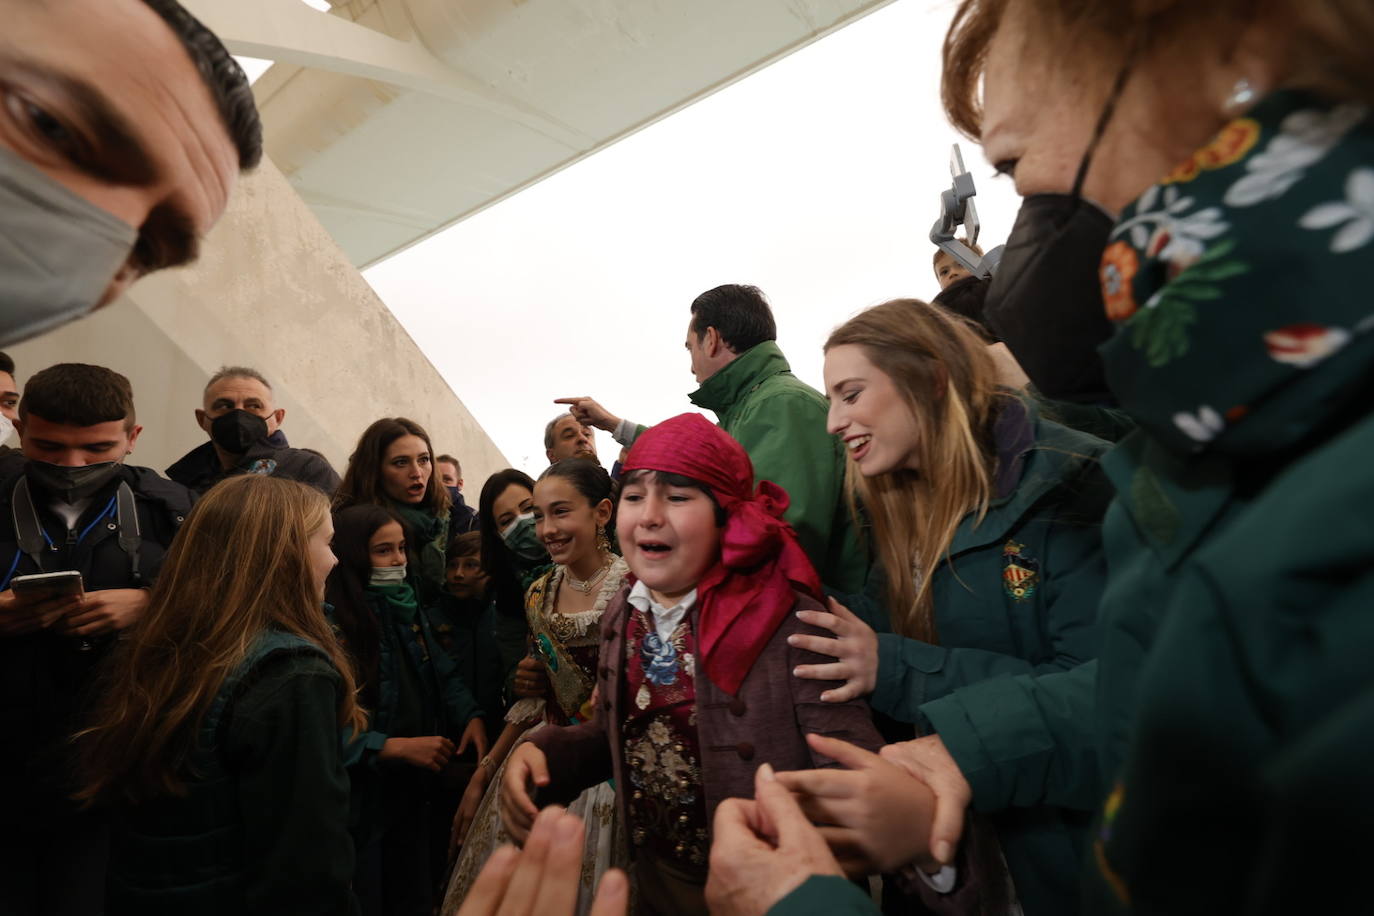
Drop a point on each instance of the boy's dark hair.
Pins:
(467, 544)
(76, 394)
(6, 363)
(449, 459)
(965, 297)
(740, 314)
(226, 80)
(664, 479)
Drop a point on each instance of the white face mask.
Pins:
(6, 428)
(58, 251)
(387, 575)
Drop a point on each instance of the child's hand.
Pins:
(476, 735)
(527, 767)
(467, 810)
(429, 753)
(854, 648)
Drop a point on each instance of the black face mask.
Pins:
(1045, 299)
(237, 431)
(70, 484)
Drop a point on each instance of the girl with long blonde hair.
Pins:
(214, 739)
(984, 517)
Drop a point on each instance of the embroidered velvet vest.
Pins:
(666, 804)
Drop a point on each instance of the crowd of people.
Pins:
(1055, 600)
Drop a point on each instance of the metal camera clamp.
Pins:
(957, 209)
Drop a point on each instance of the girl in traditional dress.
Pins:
(572, 509)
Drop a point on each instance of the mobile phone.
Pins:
(46, 586)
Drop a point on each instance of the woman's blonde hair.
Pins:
(944, 373)
(238, 567)
(1328, 41)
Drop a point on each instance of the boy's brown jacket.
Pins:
(767, 721)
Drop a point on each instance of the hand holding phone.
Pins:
(37, 602)
(42, 587)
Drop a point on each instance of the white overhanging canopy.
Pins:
(394, 119)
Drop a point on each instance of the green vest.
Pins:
(184, 854)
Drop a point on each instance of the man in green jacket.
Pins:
(779, 419)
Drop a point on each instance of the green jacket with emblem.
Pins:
(1236, 695)
(781, 422)
(1016, 604)
(263, 827)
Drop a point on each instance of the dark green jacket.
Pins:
(1236, 690)
(824, 895)
(467, 632)
(263, 826)
(1019, 602)
(781, 422)
(1239, 631)
(448, 704)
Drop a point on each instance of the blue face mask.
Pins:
(521, 540)
(58, 252)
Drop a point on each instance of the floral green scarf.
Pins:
(1240, 283)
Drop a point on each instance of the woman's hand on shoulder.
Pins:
(854, 648)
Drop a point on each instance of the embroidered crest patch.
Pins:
(1020, 573)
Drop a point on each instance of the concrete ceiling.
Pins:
(394, 119)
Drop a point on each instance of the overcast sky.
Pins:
(817, 179)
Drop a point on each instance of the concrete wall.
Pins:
(273, 291)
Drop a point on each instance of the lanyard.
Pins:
(32, 538)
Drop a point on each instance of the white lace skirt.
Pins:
(604, 847)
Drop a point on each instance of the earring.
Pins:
(1243, 94)
(603, 543)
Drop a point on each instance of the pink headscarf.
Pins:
(745, 597)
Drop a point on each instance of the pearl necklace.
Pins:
(585, 586)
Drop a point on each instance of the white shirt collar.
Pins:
(665, 619)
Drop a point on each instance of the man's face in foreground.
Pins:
(102, 97)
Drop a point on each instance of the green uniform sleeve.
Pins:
(825, 895)
(1025, 741)
(787, 442)
(361, 748)
(283, 742)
